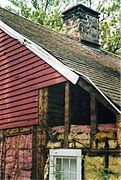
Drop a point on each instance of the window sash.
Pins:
(62, 154)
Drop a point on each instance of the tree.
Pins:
(45, 12)
(110, 34)
(48, 13)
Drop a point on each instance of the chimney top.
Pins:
(82, 24)
(84, 8)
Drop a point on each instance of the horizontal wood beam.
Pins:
(102, 152)
(93, 92)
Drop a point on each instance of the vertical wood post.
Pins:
(106, 157)
(118, 124)
(3, 155)
(34, 153)
(94, 123)
(42, 133)
(67, 114)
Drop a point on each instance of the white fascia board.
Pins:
(43, 54)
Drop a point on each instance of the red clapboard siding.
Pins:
(20, 69)
(21, 82)
(22, 74)
(18, 98)
(19, 124)
(19, 103)
(24, 55)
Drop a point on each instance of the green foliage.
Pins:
(45, 12)
(110, 34)
(48, 13)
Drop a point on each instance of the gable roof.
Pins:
(102, 68)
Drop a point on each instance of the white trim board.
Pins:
(43, 54)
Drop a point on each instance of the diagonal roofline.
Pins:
(42, 53)
(93, 84)
(70, 74)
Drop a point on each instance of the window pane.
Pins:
(73, 176)
(66, 169)
(66, 176)
(66, 165)
(58, 168)
(58, 164)
(73, 165)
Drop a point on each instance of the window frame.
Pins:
(62, 153)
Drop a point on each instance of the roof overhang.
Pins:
(72, 75)
(97, 93)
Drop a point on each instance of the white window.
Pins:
(65, 164)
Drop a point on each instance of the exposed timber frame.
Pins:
(118, 124)
(41, 155)
(67, 114)
(93, 92)
(87, 86)
(94, 123)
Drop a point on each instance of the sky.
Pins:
(4, 3)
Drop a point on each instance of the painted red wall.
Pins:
(18, 159)
(22, 74)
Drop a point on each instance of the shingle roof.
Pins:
(101, 67)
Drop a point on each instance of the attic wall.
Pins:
(56, 104)
(80, 106)
(22, 73)
(79, 101)
(104, 115)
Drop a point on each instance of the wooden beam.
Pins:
(102, 152)
(42, 133)
(91, 90)
(34, 154)
(106, 157)
(118, 124)
(94, 123)
(67, 114)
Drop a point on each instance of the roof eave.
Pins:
(89, 81)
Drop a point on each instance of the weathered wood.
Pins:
(67, 114)
(3, 157)
(34, 154)
(101, 151)
(118, 124)
(106, 157)
(83, 167)
(42, 133)
(94, 124)
(91, 90)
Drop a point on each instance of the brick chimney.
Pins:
(82, 24)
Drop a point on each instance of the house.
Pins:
(56, 92)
